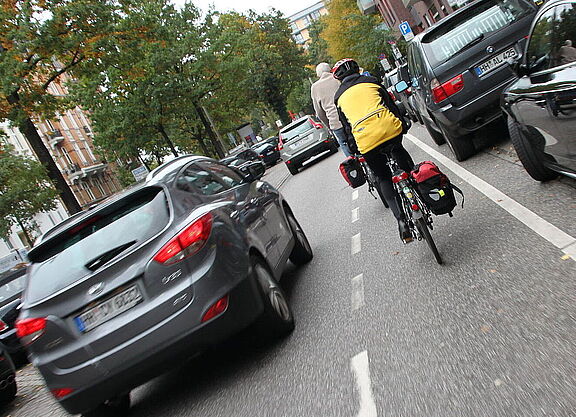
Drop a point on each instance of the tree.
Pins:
(318, 49)
(299, 99)
(350, 34)
(24, 192)
(40, 41)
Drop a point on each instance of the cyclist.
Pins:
(373, 124)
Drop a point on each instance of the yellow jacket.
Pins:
(366, 110)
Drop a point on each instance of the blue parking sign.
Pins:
(406, 31)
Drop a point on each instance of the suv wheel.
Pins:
(530, 157)
(437, 137)
(302, 252)
(292, 168)
(461, 146)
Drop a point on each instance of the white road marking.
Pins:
(354, 195)
(548, 231)
(361, 369)
(355, 214)
(357, 292)
(356, 244)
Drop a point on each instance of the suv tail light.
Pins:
(186, 243)
(3, 326)
(280, 144)
(61, 392)
(441, 92)
(29, 330)
(216, 309)
(316, 125)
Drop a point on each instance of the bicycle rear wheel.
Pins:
(425, 232)
(379, 190)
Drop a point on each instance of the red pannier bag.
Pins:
(352, 172)
(435, 188)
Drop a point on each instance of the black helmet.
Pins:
(344, 68)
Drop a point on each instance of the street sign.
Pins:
(385, 64)
(381, 57)
(406, 31)
(140, 173)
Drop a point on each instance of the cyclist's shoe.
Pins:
(405, 233)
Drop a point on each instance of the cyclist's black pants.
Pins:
(376, 160)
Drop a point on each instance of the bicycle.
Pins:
(417, 214)
(371, 179)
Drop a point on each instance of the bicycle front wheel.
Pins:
(425, 232)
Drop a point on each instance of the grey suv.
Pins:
(119, 293)
(458, 68)
(303, 139)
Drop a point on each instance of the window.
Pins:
(538, 52)
(299, 38)
(198, 179)
(564, 35)
(226, 174)
(67, 156)
(315, 14)
(86, 188)
(9, 244)
(293, 26)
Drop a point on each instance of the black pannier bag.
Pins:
(435, 188)
(352, 172)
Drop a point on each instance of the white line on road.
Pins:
(548, 231)
(356, 244)
(361, 369)
(354, 195)
(355, 214)
(357, 292)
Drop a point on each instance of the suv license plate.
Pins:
(108, 309)
(495, 61)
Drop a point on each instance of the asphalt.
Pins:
(489, 333)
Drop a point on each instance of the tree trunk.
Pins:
(31, 133)
(167, 139)
(217, 145)
(203, 145)
(26, 234)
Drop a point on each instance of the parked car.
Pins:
(269, 154)
(540, 104)
(303, 139)
(8, 387)
(401, 98)
(458, 68)
(273, 140)
(176, 264)
(241, 163)
(11, 286)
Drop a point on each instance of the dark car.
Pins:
(242, 164)
(11, 286)
(8, 385)
(159, 273)
(302, 140)
(540, 104)
(458, 68)
(402, 98)
(269, 154)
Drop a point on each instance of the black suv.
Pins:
(458, 68)
(541, 104)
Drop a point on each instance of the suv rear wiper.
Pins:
(95, 263)
(469, 44)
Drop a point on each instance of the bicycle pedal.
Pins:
(408, 240)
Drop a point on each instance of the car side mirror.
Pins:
(253, 171)
(401, 86)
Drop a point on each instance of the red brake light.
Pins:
(28, 330)
(280, 144)
(392, 96)
(316, 125)
(402, 176)
(415, 207)
(450, 87)
(3, 326)
(216, 309)
(61, 392)
(187, 242)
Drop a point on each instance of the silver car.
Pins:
(185, 260)
(303, 139)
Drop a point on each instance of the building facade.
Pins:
(301, 21)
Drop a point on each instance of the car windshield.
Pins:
(296, 129)
(83, 248)
(12, 288)
(472, 24)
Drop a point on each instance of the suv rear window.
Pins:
(293, 130)
(97, 239)
(471, 25)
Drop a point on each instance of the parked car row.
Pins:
(119, 293)
(499, 59)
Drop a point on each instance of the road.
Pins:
(382, 330)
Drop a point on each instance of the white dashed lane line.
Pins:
(361, 369)
(357, 292)
(548, 231)
(355, 214)
(356, 244)
(354, 195)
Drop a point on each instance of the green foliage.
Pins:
(299, 99)
(24, 192)
(318, 49)
(350, 34)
